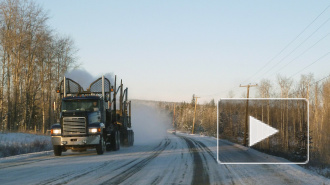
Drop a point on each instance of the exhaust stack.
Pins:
(103, 93)
(64, 89)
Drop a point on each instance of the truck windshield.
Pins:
(80, 105)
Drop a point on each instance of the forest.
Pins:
(33, 58)
(317, 92)
(289, 116)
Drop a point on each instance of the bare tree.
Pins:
(29, 53)
(285, 85)
(264, 90)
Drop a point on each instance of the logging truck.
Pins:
(90, 119)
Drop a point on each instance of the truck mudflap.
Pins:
(76, 141)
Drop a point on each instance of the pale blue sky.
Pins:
(169, 50)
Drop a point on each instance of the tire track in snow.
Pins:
(68, 177)
(200, 174)
(65, 175)
(204, 147)
(136, 167)
(177, 168)
(224, 176)
(24, 162)
(73, 175)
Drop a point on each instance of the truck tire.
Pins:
(108, 147)
(100, 147)
(57, 150)
(132, 138)
(116, 141)
(126, 138)
(129, 138)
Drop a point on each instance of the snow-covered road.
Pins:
(176, 159)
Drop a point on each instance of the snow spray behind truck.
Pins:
(90, 119)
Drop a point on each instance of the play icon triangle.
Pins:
(259, 131)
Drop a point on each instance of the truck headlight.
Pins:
(94, 130)
(55, 131)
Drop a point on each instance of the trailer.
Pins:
(90, 119)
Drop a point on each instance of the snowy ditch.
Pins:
(22, 143)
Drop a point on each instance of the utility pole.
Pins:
(194, 116)
(174, 117)
(247, 110)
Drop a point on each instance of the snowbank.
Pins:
(22, 143)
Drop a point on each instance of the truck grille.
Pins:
(74, 126)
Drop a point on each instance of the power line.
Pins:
(235, 87)
(289, 77)
(288, 44)
(322, 79)
(305, 68)
(305, 51)
(296, 47)
(310, 64)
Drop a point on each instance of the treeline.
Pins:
(289, 116)
(33, 59)
(206, 116)
(318, 95)
(316, 92)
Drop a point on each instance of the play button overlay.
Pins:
(263, 131)
(259, 131)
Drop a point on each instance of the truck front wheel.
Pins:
(57, 150)
(132, 138)
(101, 147)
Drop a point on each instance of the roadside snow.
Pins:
(22, 143)
(274, 173)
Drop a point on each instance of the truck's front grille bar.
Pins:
(74, 126)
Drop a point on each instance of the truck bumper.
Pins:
(76, 141)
